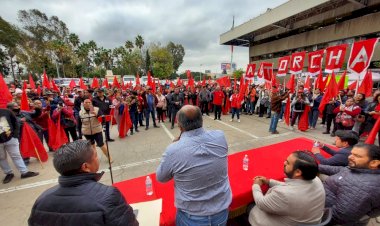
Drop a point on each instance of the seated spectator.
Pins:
(79, 199)
(344, 140)
(353, 192)
(298, 200)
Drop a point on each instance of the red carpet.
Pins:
(266, 161)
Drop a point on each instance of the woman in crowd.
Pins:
(161, 106)
(372, 114)
(360, 118)
(67, 119)
(345, 115)
(298, 106)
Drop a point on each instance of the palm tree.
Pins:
(139, 41)
(129, 46)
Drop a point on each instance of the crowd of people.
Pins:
(356, 167)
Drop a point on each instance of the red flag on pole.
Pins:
(297, 61)
(361, 54)
(342, 81)
(39, 91)
(366, 85)
(30, 144)
(150, 82)
(24, 106)
(45, 82)
(266, 71)
(24, 85)
(291, 84)
(307, 83)
(372, 135)
(52, 132)
(353, 85)
(315, 62)
(54, 86)
(82, 85)
(95, 83)
(72, 84)
(105, 83)
(115, 83)
(331, 92)
(31, 82)
(204, 81)
(60, 135)
(250, 72)
(188, 74)
(125, 123)
(179, 82)
(137, 79)
(287, 111)
(5, 95)
(283, 63)
(335, 58)
(320, 83)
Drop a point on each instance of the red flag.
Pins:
(154, 87)
(274, 80)
(331, 92)
(209, 81)
(315, 62)
(72, 84)
(52, 132)
(45, 82)
(115, 83)
(320, 83)
(5, 95)
(82, 85)
(150, 81)
(243, 88)
(54, 86)
(224, 81)
(24, 85)
(30, 145)
(31, 82)
(188, 74)
(24, 101)
(39, 91)
(204, 81)
(366, 85)
(353, 85)
(268, 85)
(105, 83)
(179, 82)
(250, 72)
(291, 84)
(95, 83)
(125, 124)
(335, 58)
(137, 79)
(172, 85)
(372, 135)
(265, 70)
(307, 83)
(303, 123)
(283, 63)
(361, 54)
(287, 111)
(296, 64)
(60, 135)
(342, 81)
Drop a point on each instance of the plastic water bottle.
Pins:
(245, 162)
(316, 144)
(148, 186)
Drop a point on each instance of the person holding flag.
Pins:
(276, 105)
(236, 100)
(9, 134)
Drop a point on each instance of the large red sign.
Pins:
(283, 63)
(250, 72)
(361, 54)
(296, 64)
(315, 62)
(335, 58)
(266, 71)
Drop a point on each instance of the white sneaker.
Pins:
(231, 120)
(238, 120)
(292, 128)
(280, 120)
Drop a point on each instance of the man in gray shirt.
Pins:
(197, 161)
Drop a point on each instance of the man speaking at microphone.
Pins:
(91, 127)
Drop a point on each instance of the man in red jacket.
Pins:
(218, 100)
(236, 105)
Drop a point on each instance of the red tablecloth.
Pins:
(266, 161)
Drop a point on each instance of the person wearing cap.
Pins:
(78, 102)
(67, 119)
(104, 104)
(345, 141)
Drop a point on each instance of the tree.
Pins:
(139, 42)
(129, 46)
(147, 61)
(74, 40)
(162, 61)
(178, 52)
(238, 73)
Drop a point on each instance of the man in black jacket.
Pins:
(104, 104)
(9, 133)
(79, 199)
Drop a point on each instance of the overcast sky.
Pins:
(195, 24)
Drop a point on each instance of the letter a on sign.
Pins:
(296, 65)
(361, 54)
(250, 72)
(315, 62)
(266, 71)
(335, 58)
(283, 63)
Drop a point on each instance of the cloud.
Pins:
(195, 24)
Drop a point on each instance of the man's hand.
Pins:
(260, 180)
(315, 150)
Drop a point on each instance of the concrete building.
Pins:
(307, 25)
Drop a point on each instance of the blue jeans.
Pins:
(185, 219)
(283, 105)
(11, 148)
(274, 122)
(237, 111)
(153, 113)
(313, 118)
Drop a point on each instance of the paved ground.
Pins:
(140, 154)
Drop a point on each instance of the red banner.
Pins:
(361, 54)
(265, 70)
(283, 63)
(315, 62)
(250, 72)
(296, 64)
(335, 58)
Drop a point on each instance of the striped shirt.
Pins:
(198, 163)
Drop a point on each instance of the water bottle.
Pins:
(148, 186)
(245, 162)
(316, 144)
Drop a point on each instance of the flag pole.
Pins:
(357, 85)
(35, 150)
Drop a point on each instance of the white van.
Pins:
(129, 78)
